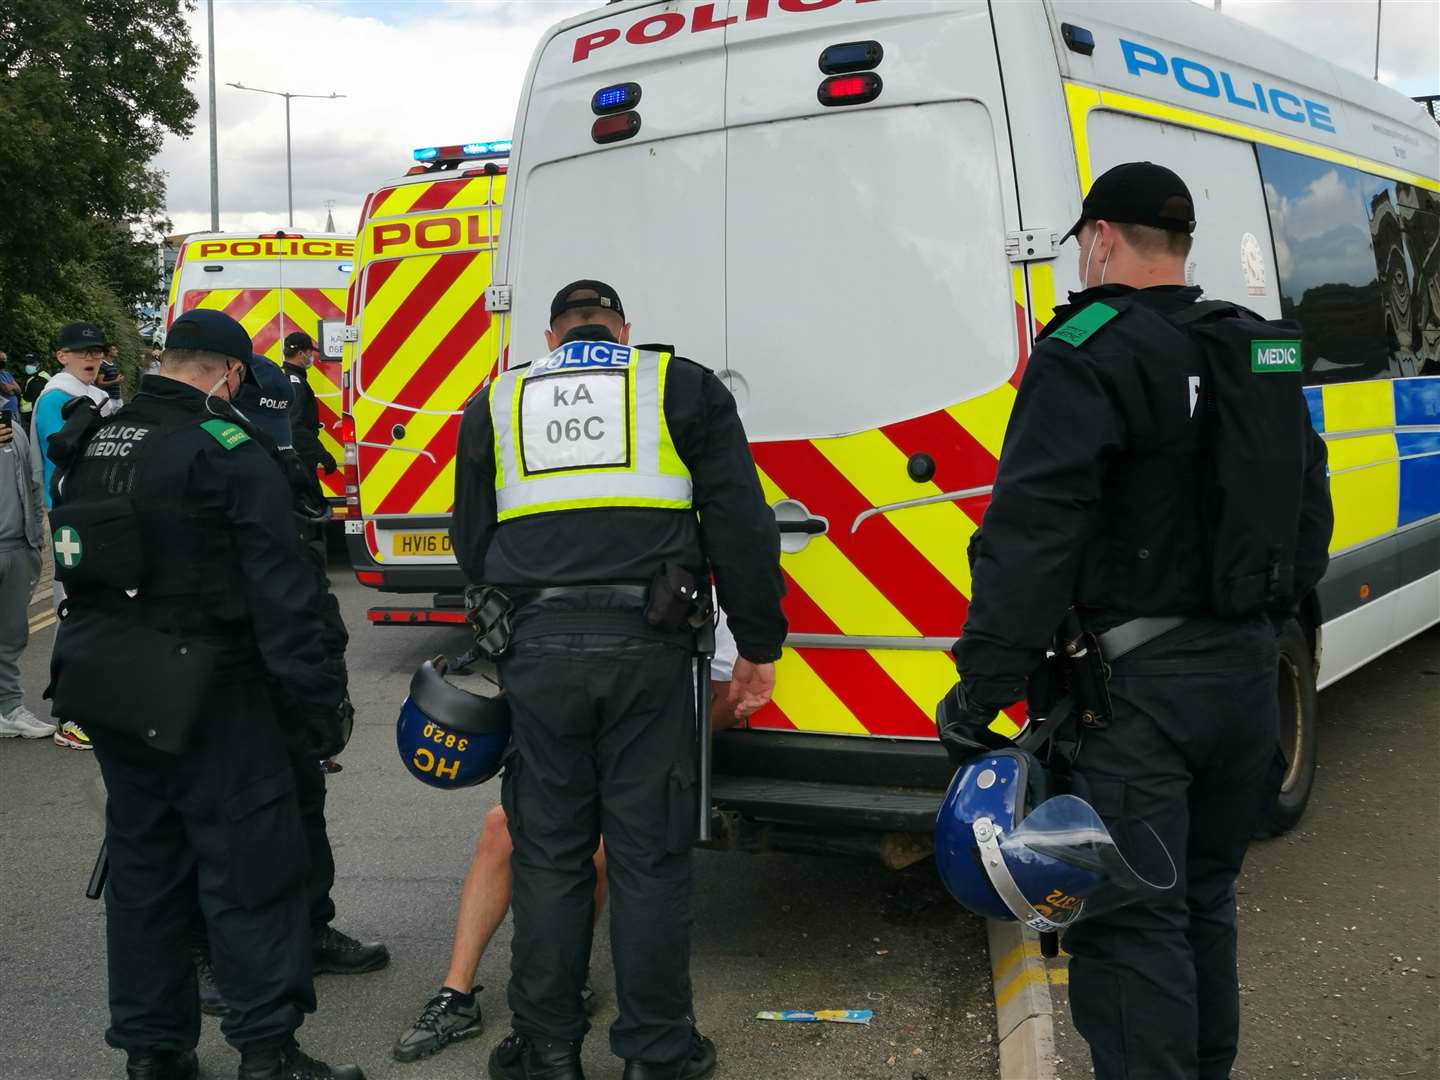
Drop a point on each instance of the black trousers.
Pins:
(320, 866)
(220, 821)
(1192, 753)
(603, 744)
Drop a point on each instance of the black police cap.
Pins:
(605, 297)
(1138, 193)
(81, 335)
(299, 341)
(210, 331)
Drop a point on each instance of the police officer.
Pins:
(299, 352)
(188, 588)
(623, 477)
(1098, 505)
(263, 402)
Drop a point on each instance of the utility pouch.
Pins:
(490, 612)
(676, 600)
(117, 675)
(97, 544)
(1087, 675)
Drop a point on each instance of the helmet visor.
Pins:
(1063, 865)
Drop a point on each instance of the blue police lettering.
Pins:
(1198, 78)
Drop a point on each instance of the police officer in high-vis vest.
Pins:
(187, 595)
(599, 488)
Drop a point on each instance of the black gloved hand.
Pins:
(323, 733)
(329, 464)
(964, 726)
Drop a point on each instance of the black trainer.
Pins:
(212, 1002)
(292, 1063)
(519, 1058)
(700, 1063)
(341, 954)
(446, 1018)
(162, 1065)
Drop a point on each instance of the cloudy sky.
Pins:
(421, 72)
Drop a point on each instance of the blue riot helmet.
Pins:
(264, 400)
(449, 737)
(1008, 849)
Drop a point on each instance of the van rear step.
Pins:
(829, 806)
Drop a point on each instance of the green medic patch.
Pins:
(1268, 357)
(1082, 326)
(225, 433)
(68, 548)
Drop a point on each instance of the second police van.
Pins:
(850, 210)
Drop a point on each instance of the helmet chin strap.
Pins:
(987, 838)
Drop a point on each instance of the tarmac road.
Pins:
(1340, 918)
(776, 932)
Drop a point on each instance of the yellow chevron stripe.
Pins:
(808, 700)
(985, 416)
(1042, 292)
(401, 200)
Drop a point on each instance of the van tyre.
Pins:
(1299, 729)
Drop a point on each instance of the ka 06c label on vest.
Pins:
(575, 420)
(1267, 357)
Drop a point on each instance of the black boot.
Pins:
(698, 1064)
(292, 1063)
(341, 954)
(161, 1065)
(519, 1058)
(212, 1002)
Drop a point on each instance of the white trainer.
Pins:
(22, 722)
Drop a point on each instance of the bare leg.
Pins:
(485, 899)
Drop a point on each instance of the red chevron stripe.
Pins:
(878, 550)
(433, 370)
(376, 275)
(380, 349)
(246, 299)
(379, 199)
(960, 461)
(1023, 337)
(438, 196)
(421, 473)
(318, 302)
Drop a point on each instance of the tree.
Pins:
(88, 91)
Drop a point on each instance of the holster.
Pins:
(1086, 672)
(490, 613)
(676, 600)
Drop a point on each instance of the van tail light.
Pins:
(351, 454)
(374, 578)
(850, 89)
(615, 127)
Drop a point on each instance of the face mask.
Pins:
(30, 369)
(1085, 276)
(589, 332)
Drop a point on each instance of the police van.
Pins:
(420, 344)
(274, 284)
(851, 210)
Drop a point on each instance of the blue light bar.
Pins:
(487, 149)
(495, 148)
(428, 153)
(612, 99)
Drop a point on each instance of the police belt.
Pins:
(1129, 636)
(589, 609)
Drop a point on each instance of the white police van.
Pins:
(850, 208)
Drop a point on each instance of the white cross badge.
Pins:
(68, 547)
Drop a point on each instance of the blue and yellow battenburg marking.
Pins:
(1384, 468)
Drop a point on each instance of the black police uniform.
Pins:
(604, 712)
(305, 421)
(221, 817)
(1097, 502)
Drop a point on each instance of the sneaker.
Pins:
(292, 1063)
(699, 1064)
(22, 722)
(73, 736)
(519, 1058)
(342, 955)
(446, 1018)
(212, 1002)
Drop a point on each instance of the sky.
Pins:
(425, 72)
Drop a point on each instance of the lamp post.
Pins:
(287, 95)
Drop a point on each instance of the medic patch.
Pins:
(1082, 326)
(225, 433)
(68, 548)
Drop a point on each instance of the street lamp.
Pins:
(289, 183)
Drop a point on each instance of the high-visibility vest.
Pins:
(584, 428)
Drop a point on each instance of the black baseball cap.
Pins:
(210, 331)
(81, 335)
(299, 341)
(265, 399)
(1138, 193)
(605, 297)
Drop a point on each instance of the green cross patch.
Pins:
(225, 433)
(1268, 357)
(68, 548)
(1083, 325)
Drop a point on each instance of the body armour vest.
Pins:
(584, 428)
(134, 472)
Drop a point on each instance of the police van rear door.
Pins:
(842, 266)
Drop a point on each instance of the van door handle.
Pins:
(810, 526)
(797, 525)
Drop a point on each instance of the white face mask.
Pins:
(1085, 274)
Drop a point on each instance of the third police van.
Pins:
(850, 209)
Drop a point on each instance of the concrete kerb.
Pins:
(1024, 1010)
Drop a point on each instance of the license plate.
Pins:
(421, 543)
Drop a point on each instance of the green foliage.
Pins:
(88, 91)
